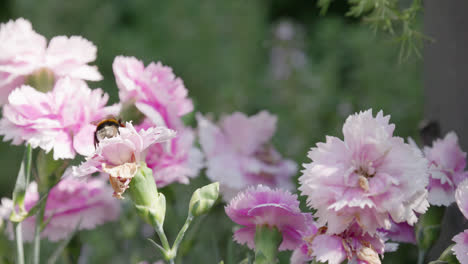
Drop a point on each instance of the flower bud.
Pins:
(203, 199)
(150, 204)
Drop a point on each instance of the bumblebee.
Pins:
(107, 128)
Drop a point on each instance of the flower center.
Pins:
(364, 172)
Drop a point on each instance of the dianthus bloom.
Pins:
(162, 98)
(120, 156)
(461, 240)
(239, 154)
(59, 119)
(370, 177)
(400, 232)
(71, 204)
(352, 244)
(262, 206)
(447, 169)
(24, 52)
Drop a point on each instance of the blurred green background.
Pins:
(310, 70)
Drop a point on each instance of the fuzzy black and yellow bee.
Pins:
(107, 128)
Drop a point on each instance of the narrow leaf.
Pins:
(22, 181)
(58, 251)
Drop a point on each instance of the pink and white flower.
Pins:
(71, 204)
(262, 206)
(58, 120)
(239, 154)
(120, 156)
(400, 232)
(461, 240)
(162, 98)
(447, 169)
(24, 51)
(371, 177)
(353, 244)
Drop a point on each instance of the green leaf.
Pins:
(22, 182)
(31, 212)
(58, 251)
(428, 227)
(324, 5)
(49, 170)
(156, 245)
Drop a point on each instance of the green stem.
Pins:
(19, 244)
(37, 235)
(421, 255)
(181, 234)
(162, 236)
(28, 163)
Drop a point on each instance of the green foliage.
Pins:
(388, 16)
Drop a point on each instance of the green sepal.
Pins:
(150, 204)
(267, 241)
(22, 181)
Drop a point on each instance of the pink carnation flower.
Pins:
(461, 240)
(239, 154)
(461, 247)
(71, 203)
(261, 206)
(352, 244)
(447, 169)
(59, 119)
(24, 52)
(400, 232)
(162, 98)
(370, 177)
(120, 156)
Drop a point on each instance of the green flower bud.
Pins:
(203, 199)
(42, 80)
(150, 204)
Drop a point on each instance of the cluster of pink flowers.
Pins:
(366, 188)
(352, 244)
(162, 98)
(24, 52)
(71, 205)
(239, 154)
(59, 120)
(60, 115)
